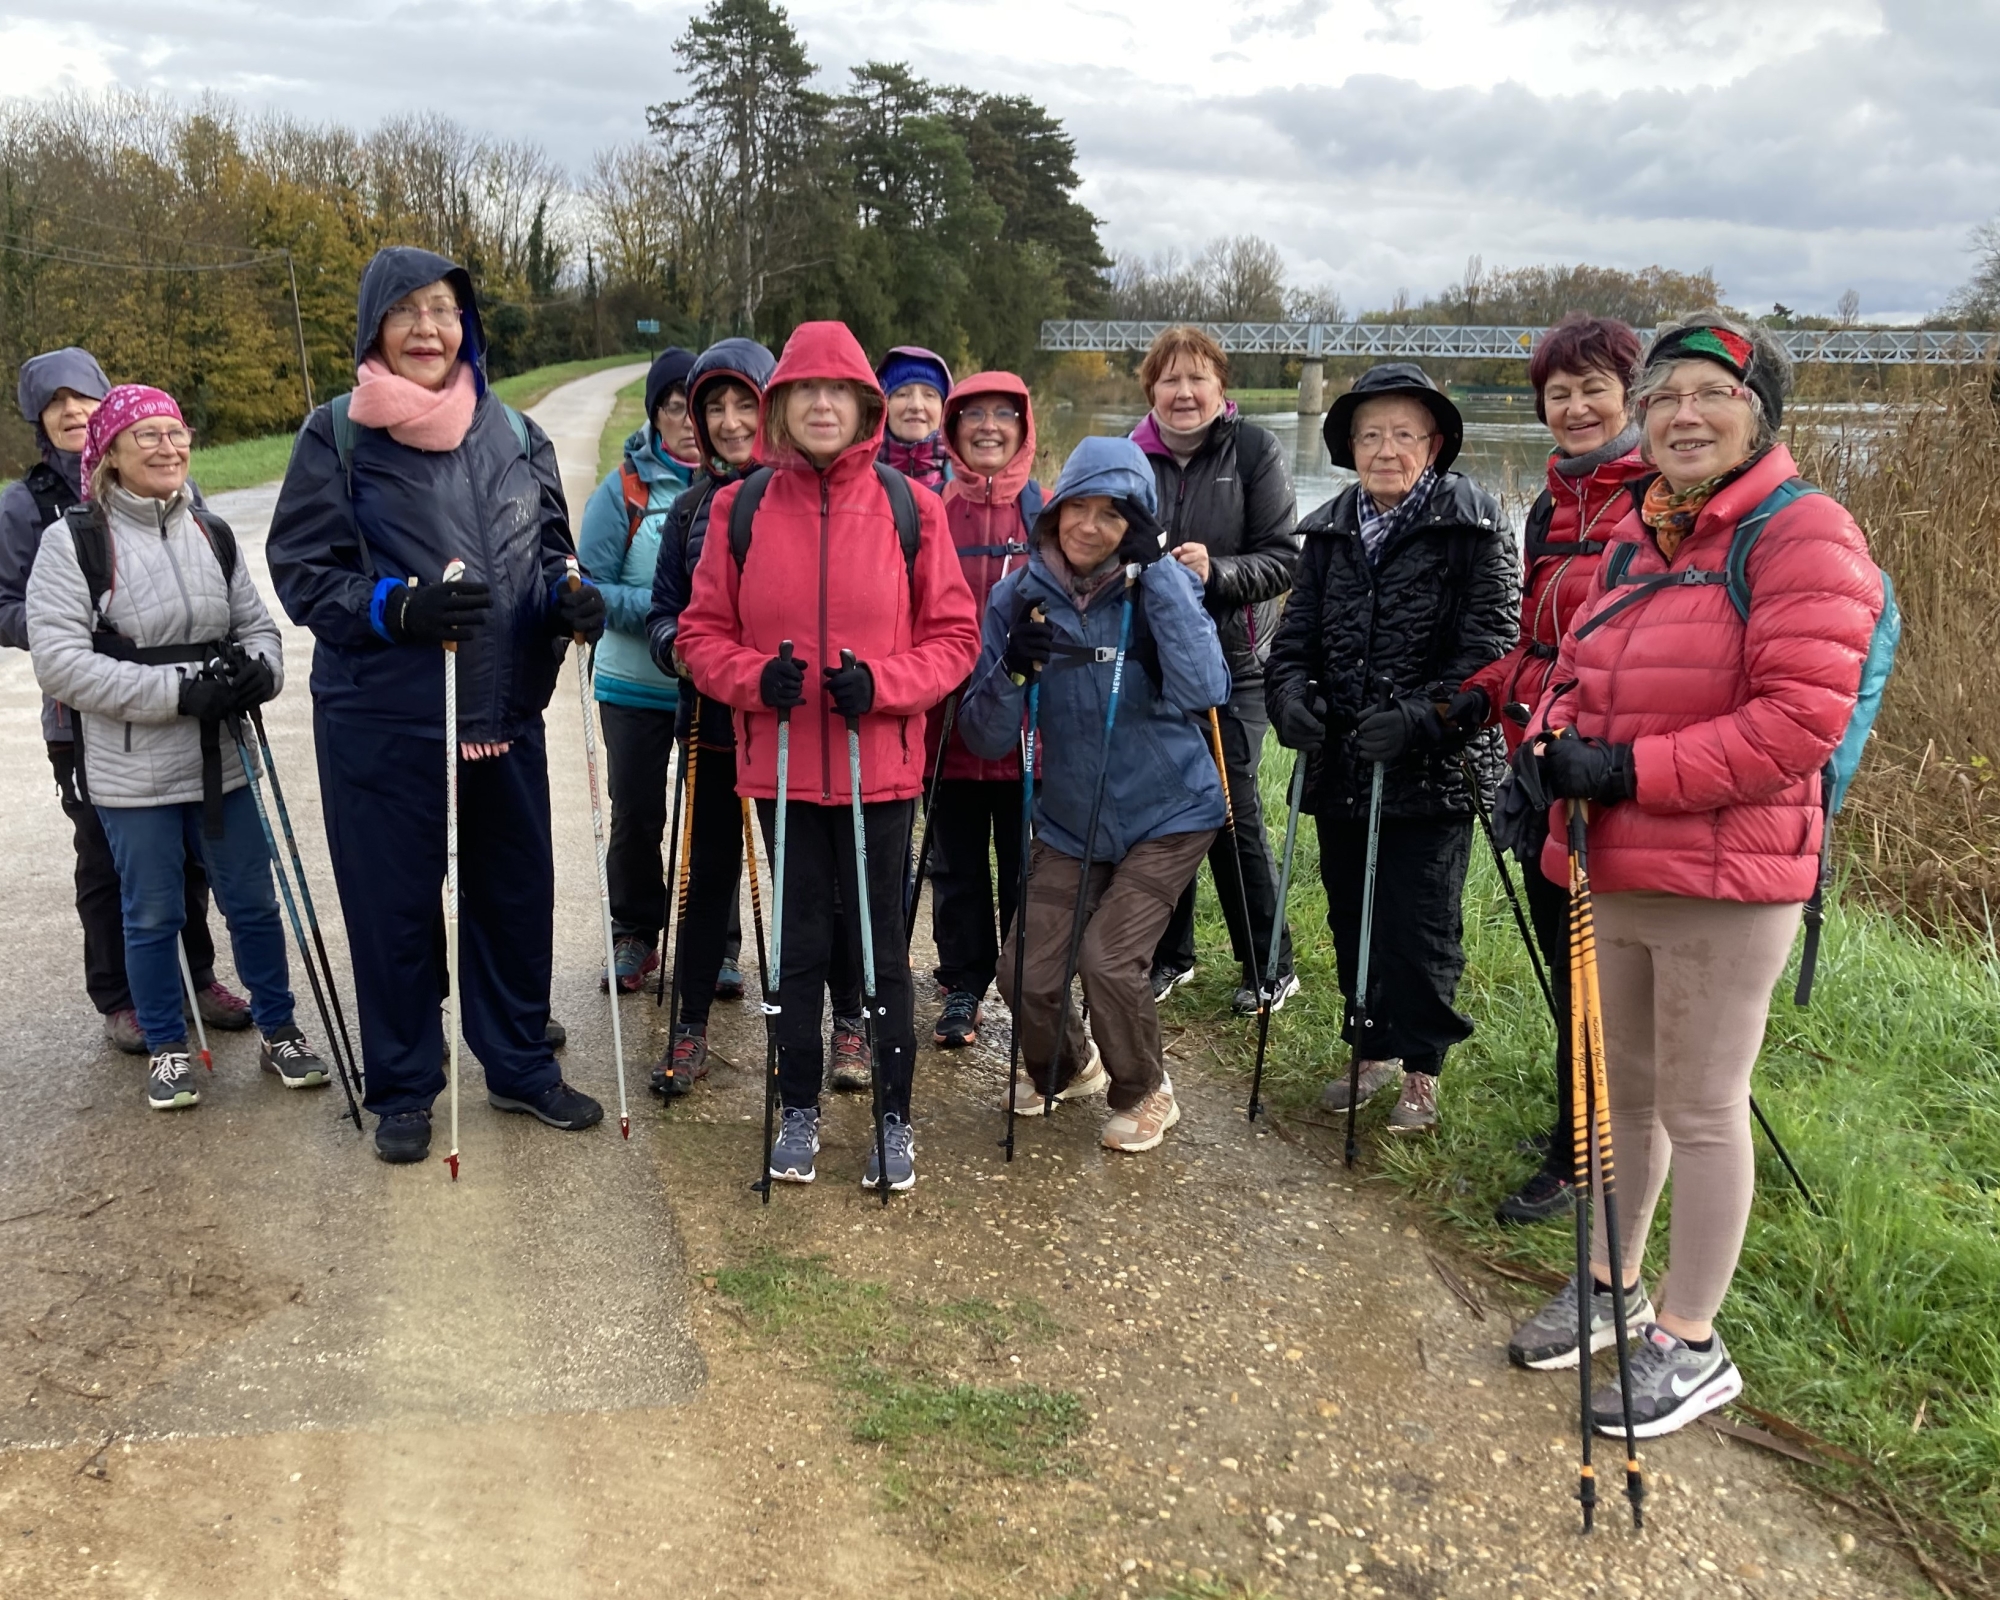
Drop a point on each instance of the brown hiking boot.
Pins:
(847, 1066)
(1144, 1125)
(1416, 1108)
(1375, 1077)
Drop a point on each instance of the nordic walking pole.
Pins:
(1363, 1022)
(1265, 993)
(575, 581)
(756, 895)
(350, 1067)
(686, 750)
(1587, 1008)
(1028, 732)
(1771, 1133)
(1579, 1101)
(867, 939)
(454, 570)
(194, 1006)
(685, 851)
(1090, 838)
(930, 811)
(235, 726)
(1507, 882)
(773, 976)
(1257, 969)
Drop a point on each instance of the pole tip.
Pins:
(451, 1161)
(625, 1127)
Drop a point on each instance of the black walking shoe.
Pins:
(559, 1106)
(286, 1056)
(1167, 979)
(403, 1137)
(729, 978)
(555, 1034)
(958, 1023)
(1244, 1002)
(684, 1065)
(170, 1082)
(1543, 1196)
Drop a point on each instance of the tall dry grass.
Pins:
(1921, 830)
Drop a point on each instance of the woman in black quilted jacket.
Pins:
(1405, 589)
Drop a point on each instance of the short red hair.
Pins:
(1582, 343)
(1185, 339)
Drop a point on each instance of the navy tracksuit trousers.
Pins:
(383, 793)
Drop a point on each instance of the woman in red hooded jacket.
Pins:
(990, 503)
(1696, 731)
(1581, 371)
(825, 569)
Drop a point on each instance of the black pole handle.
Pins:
(847, 660)
(785, 655)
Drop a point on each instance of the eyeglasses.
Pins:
(978, 414)
(404, 318)
(673, 410)
(153, 438)
(1709, 398)
(1405, 442)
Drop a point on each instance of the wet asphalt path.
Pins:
(249, 1267)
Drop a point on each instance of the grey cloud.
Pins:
(1295, 20)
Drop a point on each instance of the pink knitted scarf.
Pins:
(423, 419)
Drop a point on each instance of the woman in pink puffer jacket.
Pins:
(1702, 736)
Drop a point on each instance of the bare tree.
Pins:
(1850, 308)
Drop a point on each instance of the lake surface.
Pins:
(1506, 449)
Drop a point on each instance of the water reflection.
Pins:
(1506, 449)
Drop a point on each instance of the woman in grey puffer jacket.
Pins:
(144, 664)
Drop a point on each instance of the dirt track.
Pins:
(243, 1358)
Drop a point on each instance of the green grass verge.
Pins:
(529, 388)
(241, 465)
(1876, 1326)
(895, 1359)
(628, 410)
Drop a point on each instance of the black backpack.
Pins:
(902, 506)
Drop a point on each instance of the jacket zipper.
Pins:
(825, 715)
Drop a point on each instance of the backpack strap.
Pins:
(903, 507)
(91, 535)
(638, 497)
(743, 512)
(52, 494)
(1745, 538)
(1537, 546)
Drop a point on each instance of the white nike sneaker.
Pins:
(1672, 1384)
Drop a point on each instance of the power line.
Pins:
(74, 256)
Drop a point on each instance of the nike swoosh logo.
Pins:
(1681, 1392)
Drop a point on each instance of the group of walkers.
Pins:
(1074, 685)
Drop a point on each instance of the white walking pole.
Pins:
(603, 869)
(452, 573)
(194, 1005)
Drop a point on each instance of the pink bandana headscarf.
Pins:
(125, 405)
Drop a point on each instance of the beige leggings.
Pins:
(1687, 987)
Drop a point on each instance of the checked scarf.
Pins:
(1377, 525)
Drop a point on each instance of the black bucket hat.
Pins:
(1381, 383)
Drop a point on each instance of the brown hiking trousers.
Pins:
(1126, 911)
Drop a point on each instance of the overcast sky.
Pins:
(1798, 147)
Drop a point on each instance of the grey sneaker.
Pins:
(901, 1142)
(170, 1081)
(847, 1067)
(796, 1145)
(1546, 1342)
(1244, 1003)
(286, 1055)
(121, 1029)
(1416, 1108)
(1671, 1385)
(1375, 1077)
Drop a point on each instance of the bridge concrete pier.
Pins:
(1312, 388)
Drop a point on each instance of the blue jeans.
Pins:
(151, 845)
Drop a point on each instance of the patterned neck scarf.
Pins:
(922, 462)
(1671, 514)
(1377, 525)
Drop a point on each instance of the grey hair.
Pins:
(1770, 357)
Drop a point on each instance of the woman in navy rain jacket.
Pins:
(1060, 617)
(434, 469)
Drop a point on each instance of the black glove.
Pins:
(251, 682)
(579, 611)
(1386, 733)
(1590, 769)
(851, 689)
(1531, 777)
(1145, 540)
(1301, 722)
(1469, 710)
(783, 684)
(207, 698)
(436, 613)
(1030, 643)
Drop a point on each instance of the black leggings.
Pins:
(819, 860)
(969, 812)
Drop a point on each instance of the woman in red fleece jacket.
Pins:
(825, 569)
(1697, 735)
(1582, 372)
(990, 503)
